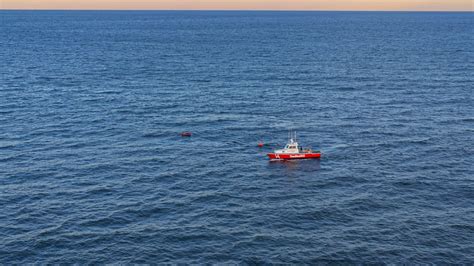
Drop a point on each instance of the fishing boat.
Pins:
(293, 151)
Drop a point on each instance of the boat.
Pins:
(293, 151)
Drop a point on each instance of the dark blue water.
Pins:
(93, 170)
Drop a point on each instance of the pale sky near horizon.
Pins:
(403, 5)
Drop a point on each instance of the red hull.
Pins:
(294, 156)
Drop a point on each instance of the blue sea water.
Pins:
(93, 170)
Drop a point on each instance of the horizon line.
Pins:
(247, 10)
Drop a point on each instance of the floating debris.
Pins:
(186, 134)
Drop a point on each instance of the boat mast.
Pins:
(291, 136)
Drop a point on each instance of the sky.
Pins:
(369, 5)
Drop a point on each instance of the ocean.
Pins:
(93, 168)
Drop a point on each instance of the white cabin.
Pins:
(291, 147)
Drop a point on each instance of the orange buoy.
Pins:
(260, 144)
